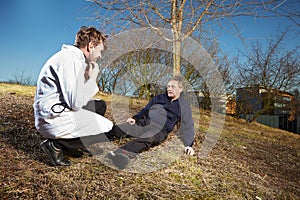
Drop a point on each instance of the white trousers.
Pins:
(71, 124)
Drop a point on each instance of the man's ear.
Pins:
(180, 89)
(90, 46)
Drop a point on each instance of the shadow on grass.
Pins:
(22, 136)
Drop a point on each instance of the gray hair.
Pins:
(179, 79)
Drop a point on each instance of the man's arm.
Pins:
(145, 110)
(186, 129)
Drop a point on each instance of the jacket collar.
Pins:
(74, 50)
(180, 97)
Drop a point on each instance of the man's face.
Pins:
(173, 90)
(95, 52)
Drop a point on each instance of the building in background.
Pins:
(274, 108)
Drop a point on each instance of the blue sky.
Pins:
(33, 30)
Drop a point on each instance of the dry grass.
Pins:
(16, 89)
(250, 161)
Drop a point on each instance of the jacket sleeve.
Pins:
(186, 130)
(145, 111)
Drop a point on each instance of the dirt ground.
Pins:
(249, 161)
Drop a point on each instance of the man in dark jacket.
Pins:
(153, 123)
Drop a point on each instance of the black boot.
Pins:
(121, 158)
(55, 154)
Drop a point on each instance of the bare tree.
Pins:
(273, 69)
(108, 77)
(140, 73)
(186, 18)
(21, 78)
(272, 66)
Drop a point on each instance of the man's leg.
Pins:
(144, 143)
(86, 122)
(56, 148)
(69, 144)
(125, 130)
(117, 132)
(79, 143)
(121, 157)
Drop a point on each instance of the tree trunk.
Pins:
(176, 58)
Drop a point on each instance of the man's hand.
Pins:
(94, 70)
(91, 71)
(189, 151)
(130, 121)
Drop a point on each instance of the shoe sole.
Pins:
(120, 161)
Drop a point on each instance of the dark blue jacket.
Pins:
(162, 110)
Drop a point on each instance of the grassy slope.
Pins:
(250, 161)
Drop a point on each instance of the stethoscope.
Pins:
(59, 110)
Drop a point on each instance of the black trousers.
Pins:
(146, 136)
(97, 106)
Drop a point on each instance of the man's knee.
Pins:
(115, 133)
(98, 106)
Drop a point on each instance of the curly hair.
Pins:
(89, 34)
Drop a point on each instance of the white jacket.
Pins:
(62, 80)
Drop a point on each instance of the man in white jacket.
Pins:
(66, 84)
